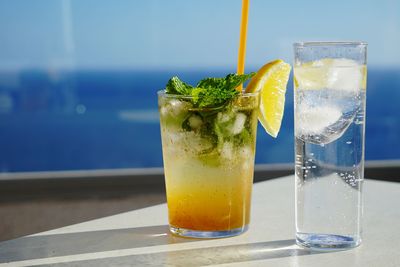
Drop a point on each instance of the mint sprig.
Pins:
(209, 92)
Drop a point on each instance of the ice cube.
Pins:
(238, 124)
(195, 121)
(163, 110)
(227, 150)
(313, 120)
(176, 107)
(173, 137)
(331, 73)
(172, 141)
(323, 124)
(196, 143)
(223, 117)
(190, 142)
(344, 74)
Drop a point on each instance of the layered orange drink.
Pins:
(209, 163)
(208, 139)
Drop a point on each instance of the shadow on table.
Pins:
(106, 242)
(243, 253)
(54, 245)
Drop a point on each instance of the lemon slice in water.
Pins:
(271, 80)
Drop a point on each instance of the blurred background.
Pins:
(78, 79)
(79, 127)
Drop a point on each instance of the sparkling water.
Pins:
(329, 144)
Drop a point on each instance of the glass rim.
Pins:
(164, 94)
(330, 43)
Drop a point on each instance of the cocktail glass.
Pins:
(208, 158)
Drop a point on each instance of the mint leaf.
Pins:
(176, 86)
(212, 97)
(209, 83)
(209, 92)
(231, 81)
(234, 80)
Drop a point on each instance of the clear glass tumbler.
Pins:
(208, 158)
(329, 111)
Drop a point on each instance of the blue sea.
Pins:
(105, 119)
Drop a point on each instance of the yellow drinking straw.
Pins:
(242, 41)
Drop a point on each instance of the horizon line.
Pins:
(151, 68)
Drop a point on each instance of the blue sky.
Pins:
(185, 34)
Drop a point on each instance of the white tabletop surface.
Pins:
(141, 237)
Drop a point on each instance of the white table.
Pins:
(141, 238)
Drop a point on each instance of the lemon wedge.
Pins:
(271, 80)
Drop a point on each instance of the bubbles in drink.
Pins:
(329, 116)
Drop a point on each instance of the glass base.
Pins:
(207, 234)
(326, 242)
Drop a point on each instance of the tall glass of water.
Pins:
(329, 110)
